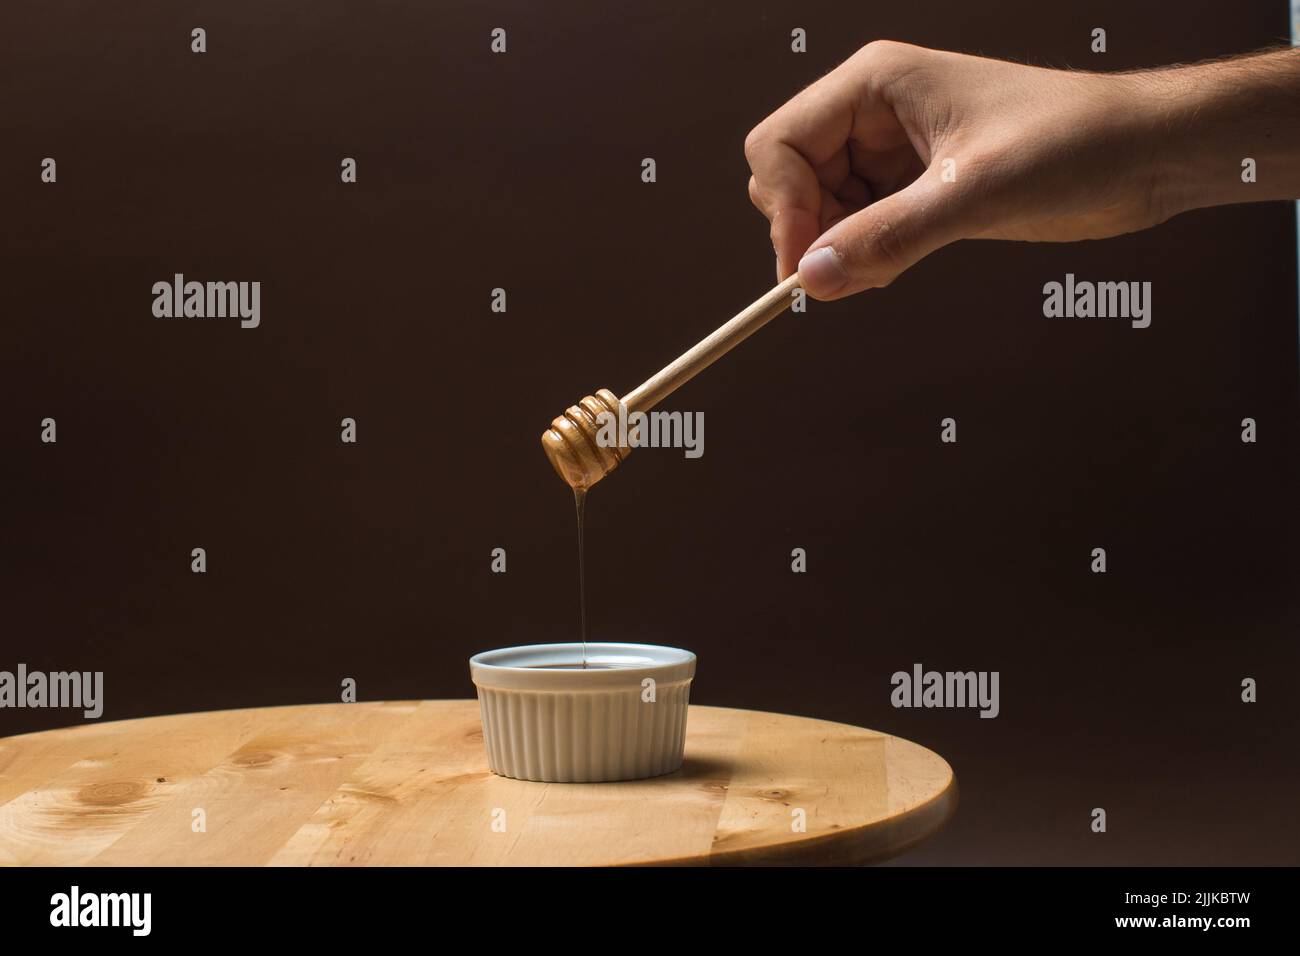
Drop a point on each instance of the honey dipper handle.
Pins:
(686, 366)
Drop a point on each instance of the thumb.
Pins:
(872, 247)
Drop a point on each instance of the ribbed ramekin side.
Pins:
(563, 737)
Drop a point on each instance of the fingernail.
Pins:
(822, 272)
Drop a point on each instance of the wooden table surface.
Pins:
(406, 783)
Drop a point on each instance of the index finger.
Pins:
(785, 152)
(798, 152)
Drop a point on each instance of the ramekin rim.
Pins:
(683, 657)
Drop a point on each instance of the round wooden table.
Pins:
(406, 783)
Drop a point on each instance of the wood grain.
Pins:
(406, 783)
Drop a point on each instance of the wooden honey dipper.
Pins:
(570, 443)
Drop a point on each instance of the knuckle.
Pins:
(882, 50)
(890, 60)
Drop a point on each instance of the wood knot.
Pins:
(113, 794)
(254, 758)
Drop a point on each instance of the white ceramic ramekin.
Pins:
(546, 718)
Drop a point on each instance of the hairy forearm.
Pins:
(1224, 132)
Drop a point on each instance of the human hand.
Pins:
(901, 150)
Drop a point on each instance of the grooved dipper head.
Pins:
(570, 443)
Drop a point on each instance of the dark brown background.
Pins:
(372, 561)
